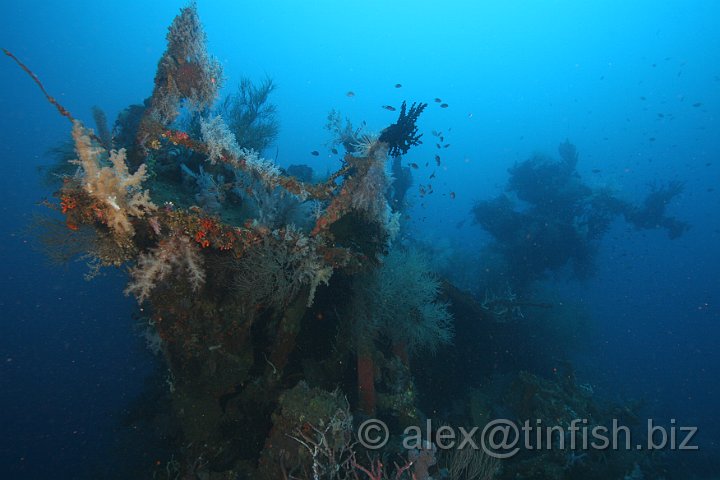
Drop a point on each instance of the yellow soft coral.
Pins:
(118, 193)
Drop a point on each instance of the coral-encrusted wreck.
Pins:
(230, 278)
(282, 307)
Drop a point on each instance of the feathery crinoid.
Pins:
(364, 144)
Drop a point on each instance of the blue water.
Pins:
(619, 79)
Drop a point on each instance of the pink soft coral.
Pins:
(175, 253)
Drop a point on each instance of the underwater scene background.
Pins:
(333, 213)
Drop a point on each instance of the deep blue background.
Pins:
(520, 77)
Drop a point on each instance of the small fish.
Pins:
(446, 145)
(334, 151)
(442, 139)
(437, 159)
(652, 139)
(697, 104)
(427, 164)
(414, 165)
(314, 153)
(435, 133)
(452, 195)
(596, 170)
(432, 175)
(398, 85)
(350, 94)
(444, 105)
(389, 108)
(422, 190)
(438, 145)
(661, 115)
(642, 98)
(437, 100)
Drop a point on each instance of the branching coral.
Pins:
(312, 436)
(174, 254)
(219, 139)
(210, 194)
(251, 116)
(399, 300)
(272, 207)
(273, 272)
(118, 193)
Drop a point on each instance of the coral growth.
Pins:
(228, 269)
(403, 134)
(342, 131)
(219, 139)
(312, 436)
(251, 116)
(172, 255)
(210, 194)
(118, 193)
(369, 192)
(399, 300)
(363, 192)
(274, 271)
(185, 71)
(102, 128)
(471, 464)
(228, 278)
